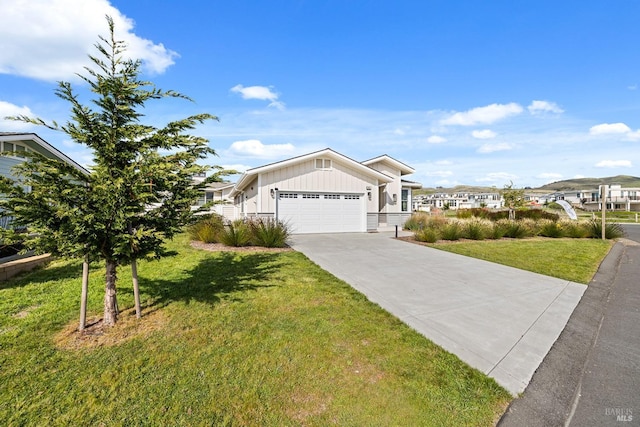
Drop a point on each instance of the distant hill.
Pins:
(588, 183)
(567, 184)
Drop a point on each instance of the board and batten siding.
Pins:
(305, 177)
(391, 188)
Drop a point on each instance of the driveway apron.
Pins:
(498, 319)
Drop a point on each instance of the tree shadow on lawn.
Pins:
(223, 276)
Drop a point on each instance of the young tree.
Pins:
(513, 198)
(140, 189)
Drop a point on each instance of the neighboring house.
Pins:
(460, 201)
(326, 192)
(617, 199)
(19, 143)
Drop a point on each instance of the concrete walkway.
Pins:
(498, 319)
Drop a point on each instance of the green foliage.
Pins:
(206, 228)
(236, 233)
(140, 189)
(429, 235)
(548, 228)
(451, 231)
(417, 221)
(575, 229)
(269, 232)
(478, 229)
(514, 229)
(612, 230)
(513, 197)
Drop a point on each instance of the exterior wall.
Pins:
(386, 193)
(305, 177)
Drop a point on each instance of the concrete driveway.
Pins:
(498, 319)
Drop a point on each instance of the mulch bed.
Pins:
(219, 247)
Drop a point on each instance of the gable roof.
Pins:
(404, 169)
(248, 176)
(30, 136)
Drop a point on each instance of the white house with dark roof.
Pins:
(327, 192)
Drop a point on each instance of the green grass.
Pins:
(576, 260)
(226, 339)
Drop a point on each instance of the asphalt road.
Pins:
(591, 375)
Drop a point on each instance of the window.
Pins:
(351, 197)
(288, 195)
(20, 150)
(323, 164)
(310, 196)
(332, 196)
(405, 200)
(8, 146)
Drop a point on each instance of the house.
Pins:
(327, 192)
(19, 143)
(15, 144)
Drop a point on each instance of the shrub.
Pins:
(464, 213)
(612, 230)
(548, 228)
(575, 229)
(206, 228)
(514, 229)
(451, 231)
(417, 221)
(236, 234)
(478, 229)
(269, 232)
(429, 235)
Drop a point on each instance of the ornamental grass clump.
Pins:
(514, 229)
(575, 229)
(417, 221)
(612, 230)
(549, 228)
(206, 228)
(452, 231)
(236, 233)
(428, 235)
(269, 232)
(477, 229)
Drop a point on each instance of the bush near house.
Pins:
(264, 232)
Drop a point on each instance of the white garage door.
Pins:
(322, 212)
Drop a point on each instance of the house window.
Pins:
(20, 150)
(310, 196)
(323, 163)
(332, 196)
(405, 200)
(288, 195)
(8, 146)
(351, 197)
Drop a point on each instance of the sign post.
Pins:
(603, 204)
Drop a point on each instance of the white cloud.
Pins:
(10, 110)
(255, 148)
(609, 129)
(444, 162)
(495, 177)
(441, 174)
(436, 139)
(613, 164)
(541, 107)
(549, 175)
(262, 93)
(50, 39)
(490, 148)
(483, 115)
(236, 167)
(483, 134)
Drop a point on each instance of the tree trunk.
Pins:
(136, 289)
(110, 300)
(83, 297)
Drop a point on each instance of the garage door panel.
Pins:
(322, 212)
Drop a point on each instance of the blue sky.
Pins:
(466, 92)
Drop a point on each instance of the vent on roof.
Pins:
(323, 163)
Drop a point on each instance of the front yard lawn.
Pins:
(576, 260)
(226, 339)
